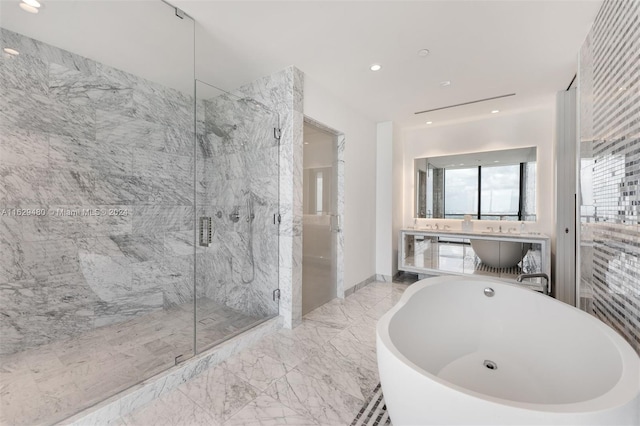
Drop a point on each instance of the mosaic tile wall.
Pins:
(609, 89)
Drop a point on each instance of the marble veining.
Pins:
(102, 140)
(319, 373)
(70, 374)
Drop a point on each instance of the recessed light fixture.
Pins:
(32, 3)
(28, 8)
(496, 161)
(429, 122)
(375, 67)
(495, 111)
(423, 52)
(445, 83)
(306, 143)
(461, 164)
(11, 51)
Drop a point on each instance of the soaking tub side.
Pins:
(408, 350)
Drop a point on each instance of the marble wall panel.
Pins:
(104, 141)
(282, 94)
(117, 128)
(19, 147)
(24, 72)
(238, 167)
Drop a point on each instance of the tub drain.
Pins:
(490, 364)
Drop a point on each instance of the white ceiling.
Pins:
(485, 48)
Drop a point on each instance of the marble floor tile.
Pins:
(319, 373)
(220, 392)
(255, 367)
(288, 348)
(54, 381)
(266, 411)
(172, 409)
(337, 313)
(315, 398)
(339, 372)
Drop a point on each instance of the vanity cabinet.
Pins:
(498, 255)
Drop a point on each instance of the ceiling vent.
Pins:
(465, 103)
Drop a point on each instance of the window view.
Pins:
(500, 192)
(458, 185)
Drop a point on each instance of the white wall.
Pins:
(398, 195)
(384, 193)
(530, 128)
(389, 192)
(360, 177)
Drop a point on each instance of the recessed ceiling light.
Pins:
(423, 52)
(495, 111)
(461, 164)
(11, 51)
(28, 8)
(375, 67)
(429, 122)
(445, 83)
(306, 143)
(496, 161)
(32, 3)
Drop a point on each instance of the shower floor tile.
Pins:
(51, 382)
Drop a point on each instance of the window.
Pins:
(458, 184)
(500, 192)
(496, 192)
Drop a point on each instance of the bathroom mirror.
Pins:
(490, 185)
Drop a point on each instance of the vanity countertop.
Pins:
(472, 234)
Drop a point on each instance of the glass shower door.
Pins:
(237, 200)
(97, 197)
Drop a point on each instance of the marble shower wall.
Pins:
(282, 93)
(248, 163)
(77, 136)
(237, 163)
(609, 90)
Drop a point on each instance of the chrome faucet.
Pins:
(546, 287)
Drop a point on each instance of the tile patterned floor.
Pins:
(320, 373)
(54, 381)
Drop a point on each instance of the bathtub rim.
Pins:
(622, 393)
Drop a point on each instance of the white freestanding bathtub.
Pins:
(449, 354)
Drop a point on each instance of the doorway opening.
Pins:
(322, 241)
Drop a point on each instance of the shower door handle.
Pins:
(205, 231)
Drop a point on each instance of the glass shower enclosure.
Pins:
(134, 205)
(237, 178)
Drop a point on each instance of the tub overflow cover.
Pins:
(489, 292)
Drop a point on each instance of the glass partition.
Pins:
(97, 214)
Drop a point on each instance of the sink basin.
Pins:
(500, 254)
